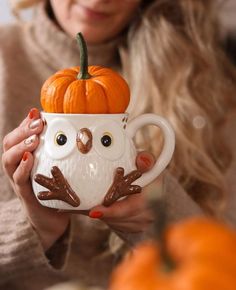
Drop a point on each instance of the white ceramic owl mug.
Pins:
(84, 160)
(88, 159)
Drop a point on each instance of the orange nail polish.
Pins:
(25, 156)
(145, 160)
(33, 113)
(95, 214)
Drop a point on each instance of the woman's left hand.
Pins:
(132, 213)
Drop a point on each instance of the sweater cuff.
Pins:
(21, 251)
(58, 253)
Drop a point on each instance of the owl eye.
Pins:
(60, 139)
(109, 139)
(106, 139)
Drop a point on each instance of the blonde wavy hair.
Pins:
(177, 69)
(17, 5)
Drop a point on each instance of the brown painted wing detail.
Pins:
(58, 186)
(121, 186)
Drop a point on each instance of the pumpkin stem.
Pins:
(83, 74)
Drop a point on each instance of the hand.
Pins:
(130, 214)
(17, 161)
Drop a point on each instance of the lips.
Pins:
(92, 13)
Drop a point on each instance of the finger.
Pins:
(22, 173)
(32, 115)
(13, 156)
(144, 161)
(144, 216)
(21, 179)
(129, 206)
(139, 224)
(27, 128)
(23, 187)
(128, 227)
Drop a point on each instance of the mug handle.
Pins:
(168, 147)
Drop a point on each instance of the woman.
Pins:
(169, 52)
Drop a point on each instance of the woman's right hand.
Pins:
(18, 161)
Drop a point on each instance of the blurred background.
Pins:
(228, 13)
(5, 13)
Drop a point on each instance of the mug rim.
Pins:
(83, 115)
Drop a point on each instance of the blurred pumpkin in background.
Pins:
(85, 89)
(196, 254)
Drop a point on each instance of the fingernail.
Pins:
(30, 140)
(25, 156)
(33, 113)
(145, 160)
(35, 124)
(95, 214)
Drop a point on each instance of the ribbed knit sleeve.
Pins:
(23, 261)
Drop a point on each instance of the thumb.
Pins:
(144, 161)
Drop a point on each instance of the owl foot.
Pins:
(121, 186)
(58, 187)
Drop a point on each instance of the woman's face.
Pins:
(98, 20)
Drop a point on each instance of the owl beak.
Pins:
(84, 140)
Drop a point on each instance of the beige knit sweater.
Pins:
(29, 53)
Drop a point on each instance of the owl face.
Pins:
(105, 138)
(87, 149)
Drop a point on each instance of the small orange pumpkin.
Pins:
(85, 89)
(202, 254)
